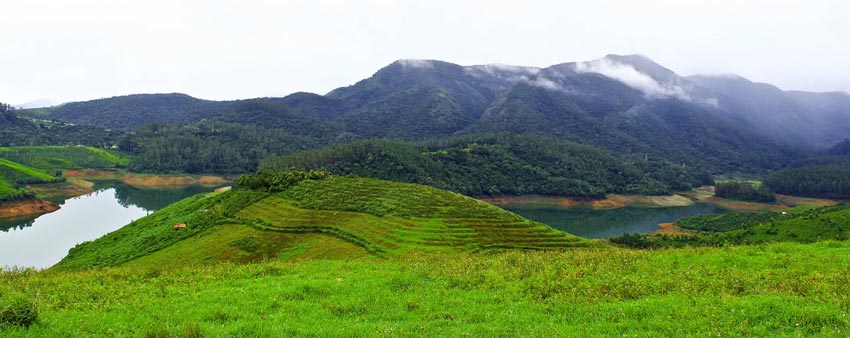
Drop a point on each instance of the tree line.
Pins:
(497, 164)
(820, 181)
(744, 191)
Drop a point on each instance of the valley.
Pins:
(610, 197)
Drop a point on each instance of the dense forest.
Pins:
(744, 191)
(812, 181)
(16, 130)
(498, 164)
(206, 147)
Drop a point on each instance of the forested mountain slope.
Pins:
(628, 105)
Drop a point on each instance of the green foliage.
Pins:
(496, 164)
(13, 177)
(812, 181)
(63, 157)
(18, 130)
(17, 310)
(744, 191)
(800, 224)
(775, 290)
(727, 221)
(206, 147)
(279, 180)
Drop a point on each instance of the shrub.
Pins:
(279, 180)
(18, 310)
(744, 191)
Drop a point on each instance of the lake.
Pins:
(591, 223)
(43, 241)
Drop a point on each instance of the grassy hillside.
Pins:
(776, 290)
(13, 175)
(805, 224)
(336, 216)
(61, 157)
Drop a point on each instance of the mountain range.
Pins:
(626, 104)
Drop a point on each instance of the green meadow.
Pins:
(777, 290)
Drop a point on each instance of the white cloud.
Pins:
(545, 83)
(507, 73)
(633, 78)
(421, 64)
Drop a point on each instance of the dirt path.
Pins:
(670, 229)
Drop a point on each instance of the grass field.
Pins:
(775, 290)
(63, 157)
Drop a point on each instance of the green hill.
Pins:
(31, 127)
(61, 157)
(310, 218)
(13, 175)
(131, 111)
(805, 224)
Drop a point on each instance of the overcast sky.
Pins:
(79, 50)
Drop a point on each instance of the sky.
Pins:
(77, 50)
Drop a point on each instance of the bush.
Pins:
(744, 191)
(18, 310)
(279, 180)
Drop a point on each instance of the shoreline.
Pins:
(30, 207)
(148, 181)
(678, 199)
(612, 202)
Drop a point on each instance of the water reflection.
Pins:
(42, 241)
(591, 223)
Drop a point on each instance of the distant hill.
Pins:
(40, 103)
(626, 104)
(129, 112)
(18, 129)
(313, 218)
(793, 117)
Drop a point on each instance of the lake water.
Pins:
(591, 223)
(43, 241)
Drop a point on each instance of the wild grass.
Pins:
(776, 290)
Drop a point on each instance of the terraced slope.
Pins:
(337, 217)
